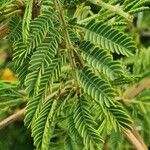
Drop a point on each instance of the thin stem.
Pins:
(88, 19)
(59, 93)
(125, 100)
(114, 8)
(75, 26)
(68, 42)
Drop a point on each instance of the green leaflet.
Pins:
(9, 96)
(73, 131)
(47, 5)
(141, 3)
(39, 29)
(97, 88)
(141, 9)
(31, 109)
(121, 118)
(46, 80)
(108, 38)
(19, 55)
(117, 117)
(40, 60)
(101, 60)
(115, 140)
(49, 127)
(43, 77)
(86, 125)
(32, 82)
(129, 5)
(42, 128)
(15, 32)
(114, 118)
(69, 144)
(26, 20)
(135, 5)
(21, 60)
(9, 103)
(44, 54)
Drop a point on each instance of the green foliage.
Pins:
(101, 60)
(97, 88)
(72, 65)
(15, 29)
(9, 97)
(136, 6)
(109, 38)
(39, 28)
(26, 20)
(69, 144)
(86, 125)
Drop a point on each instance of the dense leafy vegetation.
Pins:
(79, 72)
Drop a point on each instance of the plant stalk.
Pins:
(117, 9)
(69, 46)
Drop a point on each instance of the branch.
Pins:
(12, 118)
(3, 30)
(134, 91)
(133, 136)
(137, 135)
(134, 140)
(20, 114)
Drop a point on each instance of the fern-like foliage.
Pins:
(47, 78)
(108, 38)
(74, 132)
(21, 62)
(121, 118)
(39, 27)
(9, 95)
(15, 29)
(97, 88)
(68, 64)
(26, 20)
(40, 60)
(42, 125)
(101, 60)
(69, 145)
(86, 125)
(136, 6)
(19, 52)
(44, 54)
